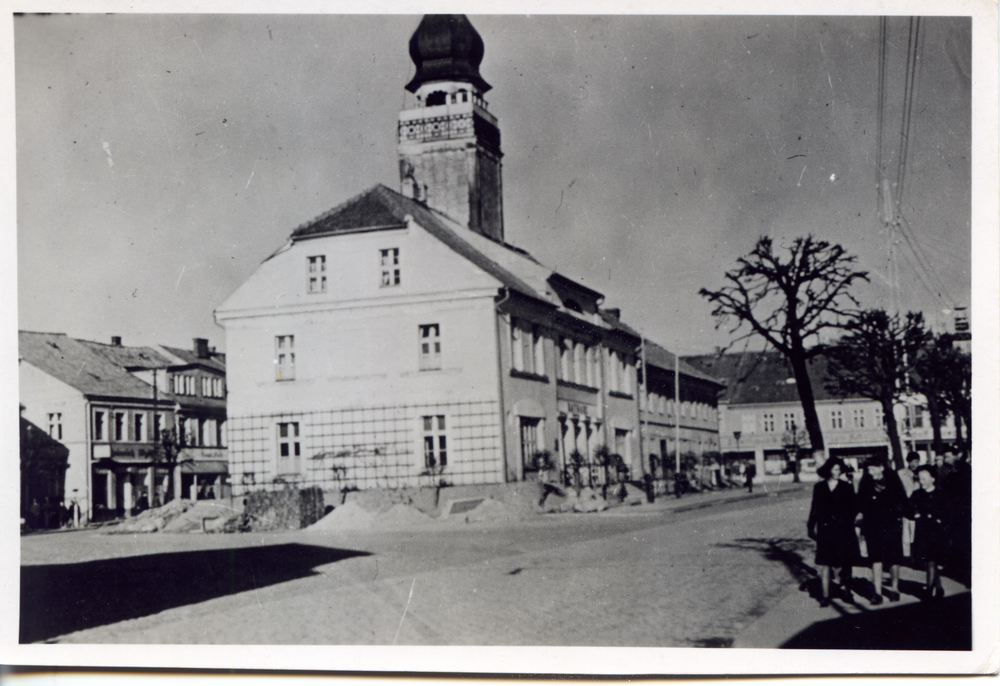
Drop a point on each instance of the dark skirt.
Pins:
(884, 540)
(930, 542)
(836, 544)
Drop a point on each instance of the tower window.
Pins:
(437, 98)
(317, 273)
(389, 259)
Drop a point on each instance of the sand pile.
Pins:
(350, 515)
(492, 511)
(177, 515)
(589, 501)
(401, 516)
(207, 515)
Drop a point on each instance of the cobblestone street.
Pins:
(640, 576)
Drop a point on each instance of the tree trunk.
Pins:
(800, 371)
(892, 429)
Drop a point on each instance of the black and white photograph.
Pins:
(632, 343)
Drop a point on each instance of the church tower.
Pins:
(449, 145)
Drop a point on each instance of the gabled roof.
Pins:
(79, 366)
(128, 356)
(762, 377)
(658, 356)
(189, 357)
(380, 208)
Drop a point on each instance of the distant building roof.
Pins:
(79, 365)
(761, 377)
(215, 360)
(128, 356)
(658, 356)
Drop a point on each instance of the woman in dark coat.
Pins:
(929, 509)
(831, 525)
(882, 501)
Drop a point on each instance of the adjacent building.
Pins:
(109, 404)
(761, 417)
(398, 339)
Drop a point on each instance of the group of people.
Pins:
(927, 506)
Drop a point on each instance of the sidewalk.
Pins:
(694, 501)
(798, 621)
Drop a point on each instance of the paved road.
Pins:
(628, 577)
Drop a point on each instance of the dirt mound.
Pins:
(208, 515)
(401, 516)
(492, 511)
(350, 515)
(177, 515)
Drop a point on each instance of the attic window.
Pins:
(571, 304)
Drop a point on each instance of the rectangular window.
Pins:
(55, 425)
(157, 426)
(859, 418)
(119, 426)
(289, 449)
(98, 426)
(217, 388)
(529, 441)
(284, 358)
(526, 347)
(918, 417)
(430, 346)
(580, 363)
(435, 442)
(789, 418)
(769, 422)
(317, 273)
(879, 416)
(389, 261)
(139, 426)
(836, 419)
(206, 387)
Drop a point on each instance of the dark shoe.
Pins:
(893, 596)
(824, 602)
(877, 600)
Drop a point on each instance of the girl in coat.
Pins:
(882, 502)
(928, 508)
(831, 525)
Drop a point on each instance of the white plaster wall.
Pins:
(41, 394)
(358, 344)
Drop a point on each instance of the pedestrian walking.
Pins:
(882, 502)
(908, 477)
(928, 508)
(751, 473)
(831, 525)
(957, 489)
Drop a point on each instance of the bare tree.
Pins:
(788, 301)
(933, 374)
(874, 360)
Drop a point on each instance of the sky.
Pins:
(161, 158)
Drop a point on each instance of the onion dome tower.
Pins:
(449, 145)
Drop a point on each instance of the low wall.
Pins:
(523, 494)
